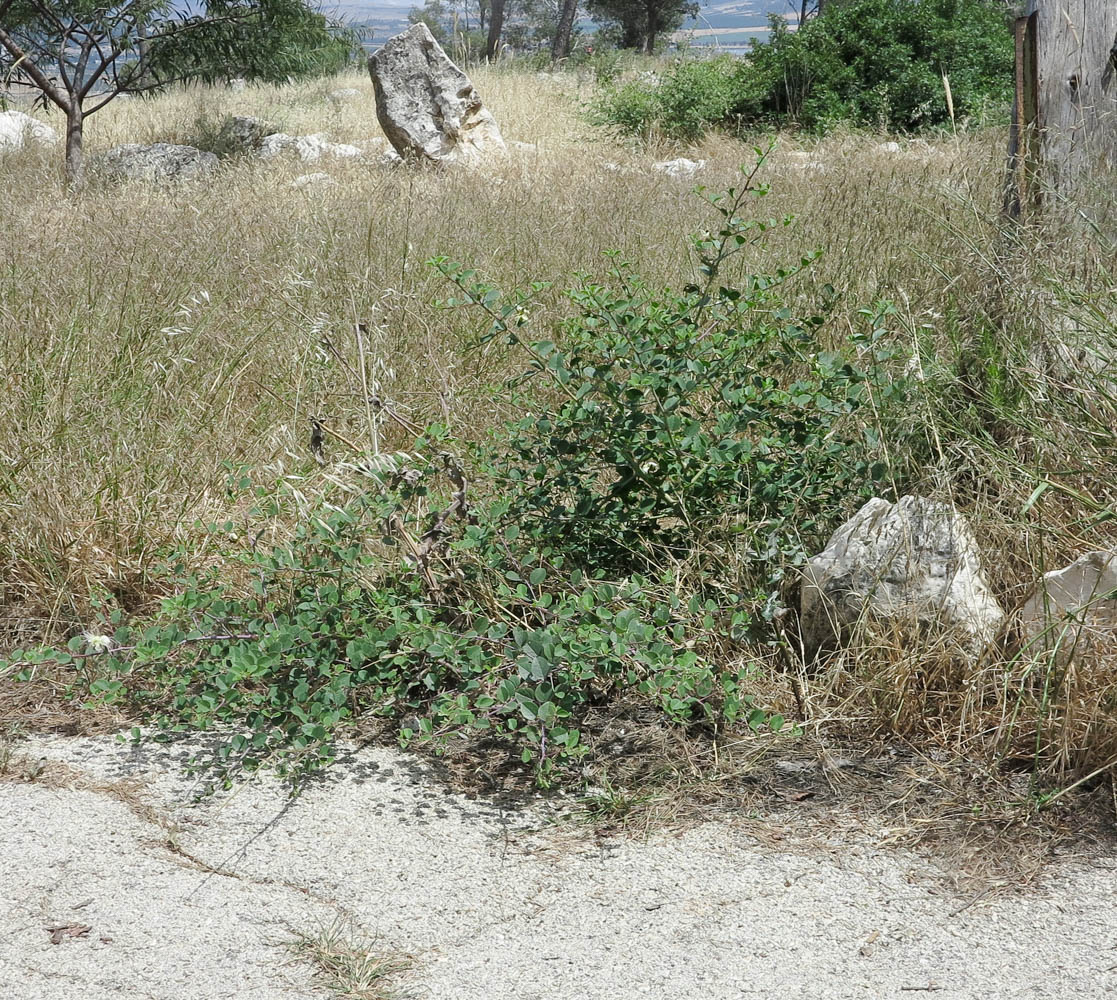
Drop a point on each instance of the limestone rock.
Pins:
(18, 130)
(308, 148)
(1074, 609)
(312, 181)
(157, 162)
(910, 563)
(681, 167)
(237, 84)
(342, 95)
(890, 147)
(427, 107)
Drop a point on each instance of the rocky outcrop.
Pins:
(18, 130)
(1073, 611)
(308, 148)
(427, 107)
(912, 563)
(158, 162)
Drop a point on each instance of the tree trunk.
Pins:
(75, 167)
(496, 26)
(653, 28)
(1065, 116)
(560, 47)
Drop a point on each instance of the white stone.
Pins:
(427, 107)
(888, 147)
(910, 563)
(390, 158)
(313, 180)
(681, 167)
(18, 129)
(308, 148)
(342, 95)
(1074, 609)
(237, 85)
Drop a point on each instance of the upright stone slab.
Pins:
(428, 108)
(913, 563)
(1073, 611)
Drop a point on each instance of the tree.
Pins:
(560, 47)
(81, 54)
(641, 22)
(496, 26)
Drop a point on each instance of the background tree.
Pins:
(639, 23)
(496, 26)
(81, 54)
(560, 46)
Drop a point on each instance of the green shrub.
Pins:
(682, 103)
(880, 63)
(876, 63)
(679, 449)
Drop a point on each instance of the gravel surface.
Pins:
(185, 901)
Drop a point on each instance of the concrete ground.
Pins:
(150, 896)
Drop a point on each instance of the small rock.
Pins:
(308, 148)
(390, 158)
(1074, 609)
(914, 562)
(427, 107)
(157, 162)
(18, 130)
(313, 180)
(342, 95)
(888, 147)
(681, 167)
(237, 84)
(523, 147)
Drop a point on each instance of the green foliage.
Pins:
(677, 450)
(639, 24)
(877, 63)
(682, 424)
(881, 63)
(682, 103)
(265, 40)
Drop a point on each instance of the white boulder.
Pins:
(1073, 611)
(18, 130)
(427, 107)
(681, 167)
(308, 148)
(912, 563)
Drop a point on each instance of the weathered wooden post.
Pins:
(1065, 113)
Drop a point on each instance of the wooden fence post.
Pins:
(1065, 114)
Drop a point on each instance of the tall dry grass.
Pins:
(155, 337)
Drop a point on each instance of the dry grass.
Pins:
(349, 964)
(155, 338)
